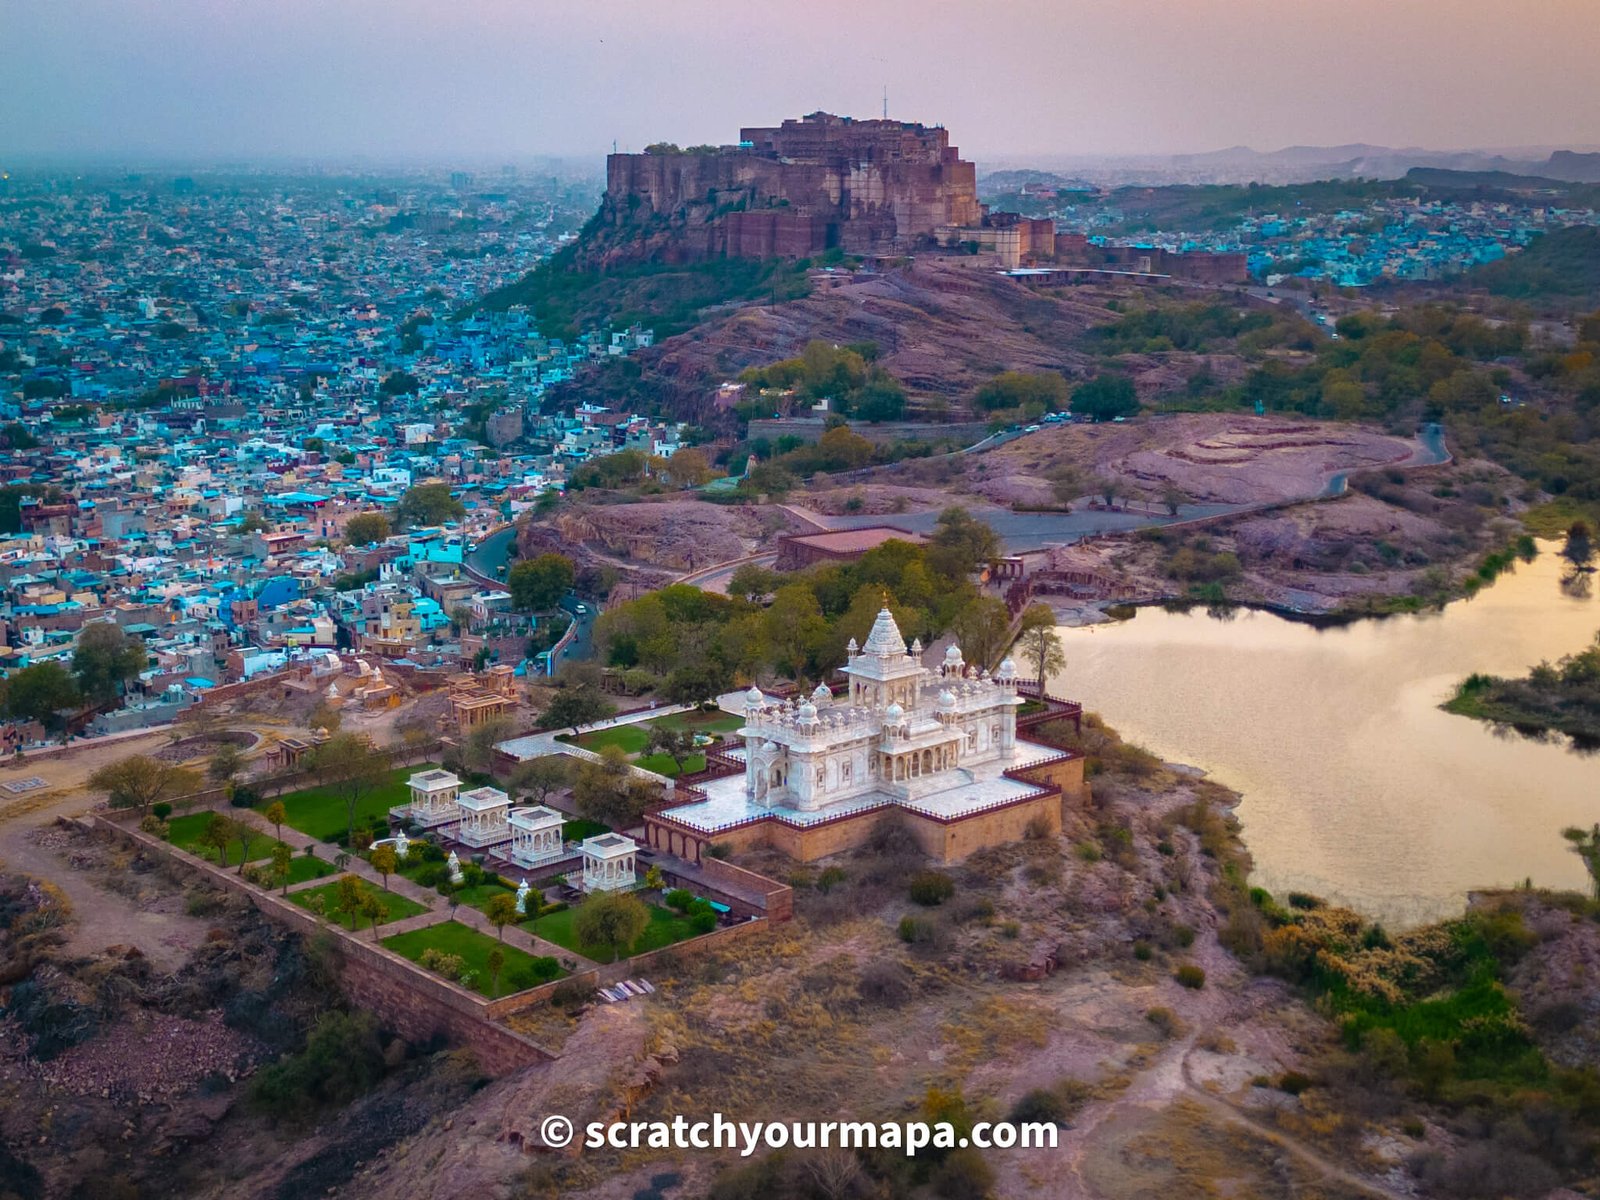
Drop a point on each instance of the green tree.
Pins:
(226, 763)
(1036, 392)
(428, 504)
(574, 707)
(42, 692)
(247, 833)
(385, 861)
(1586, 845)
(676, 744)
(961, 544)
(218, 834)
(365, 528)
(501, 911)
(1106, 397)
(496, 963)
(351, 767)
(538, 777)
(607, 790)
(140, 781)
(282, 860)
(1173, 498)
(980, 629)
(1041, 647)
(752, 581)
(276, 815)
(400, 383)
(374, 910)
(537, 584)
(610, 920)
(105, 660)
(352, 894)
(253, 522)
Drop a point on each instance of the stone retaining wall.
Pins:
(415, 1003)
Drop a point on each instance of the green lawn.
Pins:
(302, 868)
(665, 928)
(522, 970)
(480, 895)
(185, 832)
(400, 907)
(319, 813)
(632, 739)
(701, 722)
(577, 830)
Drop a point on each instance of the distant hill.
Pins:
(1569, 164)
(1561, 266)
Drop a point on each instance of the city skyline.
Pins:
(492, 79)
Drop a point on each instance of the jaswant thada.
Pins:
(938, 744)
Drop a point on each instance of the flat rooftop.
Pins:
(856, 541)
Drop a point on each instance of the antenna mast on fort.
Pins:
(885, 102)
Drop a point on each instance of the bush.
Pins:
(1294, 1082)
(963, 1175)
(885, 982)
(1038, 1105)
(342, 1059)
(703, 922)
(1143, 952)
(680, 899)
(571, 993)
(161, 811)
(930, 888)
(916, 931)
(1190, 976)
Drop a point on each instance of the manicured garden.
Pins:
(633, 740)
(189, 832)
(461, 954)
(303, 867)
(665, 928)
(321, 814)
(577, 830)
(327, 901)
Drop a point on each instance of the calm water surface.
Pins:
(1356, 786)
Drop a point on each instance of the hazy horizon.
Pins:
(498, 80)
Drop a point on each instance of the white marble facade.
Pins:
(902, 732)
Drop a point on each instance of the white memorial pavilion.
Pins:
(608, 862)
(536, 835)
(483, 817)
(433, 799)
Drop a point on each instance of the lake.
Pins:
(1355, 785)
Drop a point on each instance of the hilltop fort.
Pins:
(800, 188)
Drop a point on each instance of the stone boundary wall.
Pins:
(780, 896)
(629, 968)
(415, 1003)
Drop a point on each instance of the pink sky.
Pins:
(466, 79)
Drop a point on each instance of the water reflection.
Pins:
(1356, 785)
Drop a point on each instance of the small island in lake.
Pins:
(1563, 697)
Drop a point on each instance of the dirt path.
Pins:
(1167, 1080)
(162, 930)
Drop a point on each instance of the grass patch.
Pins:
(185, 833)
(665, 928)
(400, 907)
(633, 739)
(320, 814)
(302, 868)
(480, 894)
(577, 830)
(522, 970)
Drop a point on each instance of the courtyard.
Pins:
(666, 928)
(325, 902)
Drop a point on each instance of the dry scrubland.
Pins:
(1235, 1087)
